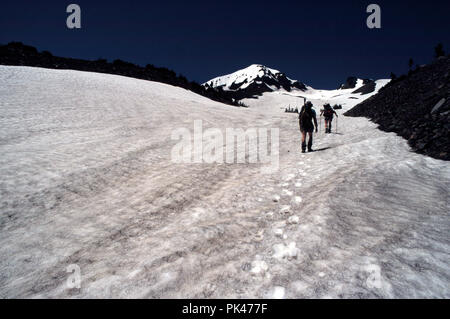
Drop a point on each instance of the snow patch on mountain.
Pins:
(353, 82)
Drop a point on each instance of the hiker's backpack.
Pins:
(305, 116)
(328, 112)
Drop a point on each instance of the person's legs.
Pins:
(326, 125)
(303, 141)
(310, 141)
(329, 125)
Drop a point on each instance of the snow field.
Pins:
(87, 180)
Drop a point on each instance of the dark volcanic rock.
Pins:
(366, 89)
(351, 83)
(260, 86)
(416, 107)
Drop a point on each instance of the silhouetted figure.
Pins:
(328, 114)
(307, 122)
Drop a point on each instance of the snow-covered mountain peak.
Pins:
(257, 70)
(243, 78)
(254, 80)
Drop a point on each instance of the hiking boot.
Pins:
(310, 150)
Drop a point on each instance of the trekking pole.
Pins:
(337, 121)
(320, 124)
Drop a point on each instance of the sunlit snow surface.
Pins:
(86, 179)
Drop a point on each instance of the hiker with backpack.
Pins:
(307, 122)
(328, 114)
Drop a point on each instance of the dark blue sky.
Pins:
(317, 42)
